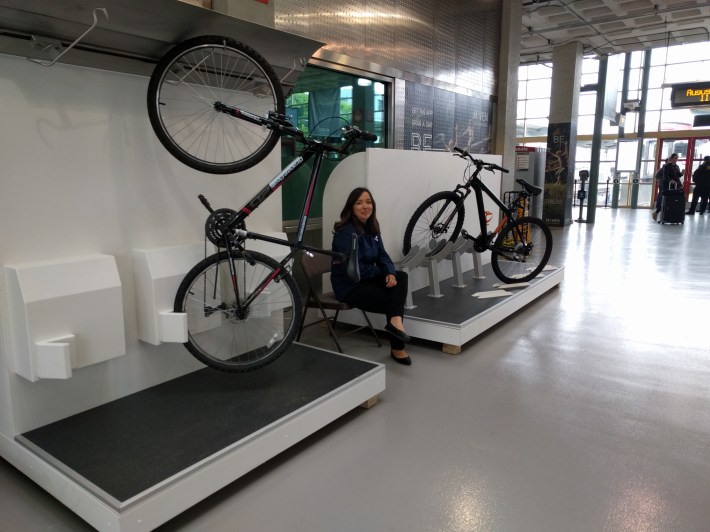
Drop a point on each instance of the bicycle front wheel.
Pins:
(435, 222)
(521, 250)
(224, 334)
(182, 93)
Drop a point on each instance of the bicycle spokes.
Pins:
(436, 221)
(521, 250)
(239, 313)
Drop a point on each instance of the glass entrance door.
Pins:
(699, 148)
(690, 154)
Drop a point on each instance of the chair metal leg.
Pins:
(332, 333)
(330, 327)
(303, 318)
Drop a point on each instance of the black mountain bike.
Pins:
(217, 106)
(520, 246)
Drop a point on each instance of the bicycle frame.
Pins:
(479, 188)
(313, 149)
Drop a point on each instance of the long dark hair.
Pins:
(371, 226)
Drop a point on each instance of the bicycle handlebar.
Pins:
(478, 162)
(283, 125)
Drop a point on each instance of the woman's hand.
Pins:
(390, 280)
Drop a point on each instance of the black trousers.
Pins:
(700, 193)
(371, 295)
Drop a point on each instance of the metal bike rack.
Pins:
(461, 246)
(433, 267)
(54, 46)
(411, 260)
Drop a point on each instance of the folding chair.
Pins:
(314, 267)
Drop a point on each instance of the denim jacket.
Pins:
(372, 259)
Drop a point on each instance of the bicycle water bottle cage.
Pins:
(353, 266)
(216, 225)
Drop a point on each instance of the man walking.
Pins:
(701, 178)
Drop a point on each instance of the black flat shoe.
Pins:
(400, 335)
(404, 360)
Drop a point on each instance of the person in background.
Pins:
(671, 174)
(701, 178)
(381, 289)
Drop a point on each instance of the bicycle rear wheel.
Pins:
(435, 222)
(226, 337)
(521, 250)
(182, 93)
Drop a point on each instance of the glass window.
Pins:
(676, 64)
(587, 103)
(521, 108)
(520, 128)
(654, 99)
(321, 103)
(540, 71)
(631, 124)
(540, 88)
(653, 118)
(538, 108)
(522, 90)
(589, 79)
(656, 77)
(590, 65)
(536, 127)
(636, 60)
(585, 125)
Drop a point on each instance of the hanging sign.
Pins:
(690, 94)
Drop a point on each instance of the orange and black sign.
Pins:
(690, 94)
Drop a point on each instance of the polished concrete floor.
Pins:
(587, 411)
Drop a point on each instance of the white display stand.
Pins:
(400, 181)
(165, 500)
(64, 314)
(158, 273)
(93, 200)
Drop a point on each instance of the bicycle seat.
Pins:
(530, 189)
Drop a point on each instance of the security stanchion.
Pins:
(582, 194)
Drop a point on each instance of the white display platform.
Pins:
(428, 321)
(400, 181)
(165, 500)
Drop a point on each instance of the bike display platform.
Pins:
(134, 463)
(461, 314)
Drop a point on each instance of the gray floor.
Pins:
(587, 411)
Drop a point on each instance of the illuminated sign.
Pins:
(690, 95)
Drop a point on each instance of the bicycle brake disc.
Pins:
(215, 226)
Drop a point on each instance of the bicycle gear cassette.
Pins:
(216, 225)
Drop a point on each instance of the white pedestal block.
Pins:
(64, 314)
(158, 273)
(54, 358)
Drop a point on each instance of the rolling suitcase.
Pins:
(672, 206)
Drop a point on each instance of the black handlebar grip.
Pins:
(458, 149)
(366, 135)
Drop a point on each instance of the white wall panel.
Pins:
(82, 173)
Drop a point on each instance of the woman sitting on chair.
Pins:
(381, 289)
